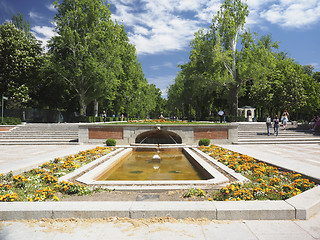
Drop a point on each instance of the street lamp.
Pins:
(3, 98)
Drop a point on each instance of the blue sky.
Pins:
(161, 30)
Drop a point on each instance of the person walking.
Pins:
(104, 116)
(221, 115)
(284, 119)
(268, 122)
(276, 125)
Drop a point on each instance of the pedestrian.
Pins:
(221, 115)
(285, 119)
(104, 116)
(317, 124)
(268, 122)
(276, 125)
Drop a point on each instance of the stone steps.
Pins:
(38, 142)
(35, 133)
(256, 133)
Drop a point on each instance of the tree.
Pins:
(84, 51)
(21, 59)
(287, 87)
(132, 82)
(19, 23)
(227, 24)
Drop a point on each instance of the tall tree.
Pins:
(21, 24)
(20, 62)
(228, 23)
(83, 52)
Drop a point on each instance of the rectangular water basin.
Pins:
(184, 168)
(142, 165)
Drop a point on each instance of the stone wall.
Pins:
(189, 133)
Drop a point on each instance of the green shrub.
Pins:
(98, 119)
(83, 119)
(110, 142)
(109, 119)
(204, 142)
(11, 121)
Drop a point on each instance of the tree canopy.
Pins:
(21, 58)
(228, 64)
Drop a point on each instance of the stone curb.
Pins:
(248, 210)
(306, 203)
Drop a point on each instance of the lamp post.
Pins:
(3, 98)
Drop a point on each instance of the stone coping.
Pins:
(293, 208)
(97, 124)
(89, 177)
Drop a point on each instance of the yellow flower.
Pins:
(55, 198)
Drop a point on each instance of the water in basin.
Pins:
(142, 165)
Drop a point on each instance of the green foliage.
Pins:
(218, 70)
(11, 121)
(94, 57)
(84, 51)
(111, 142)
(194, 192)
(20, 64)
(204, 142)
(228, 65)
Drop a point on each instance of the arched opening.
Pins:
(158, 137)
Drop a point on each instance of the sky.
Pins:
(162, 30)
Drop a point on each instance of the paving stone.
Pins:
(229, 230)
(266, 230)
(176, 231)
(312, 226)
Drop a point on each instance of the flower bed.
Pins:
(267, 182)
(161, 121)
(41, 183)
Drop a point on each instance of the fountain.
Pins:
(156, 157)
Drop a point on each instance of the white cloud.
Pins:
(169, 25)
(159, 26)
(162, 82)
(43, 33)
(51, 7)
(35, 15)
(210, 9)
(164, 65)
(316, 66)
(293, 13)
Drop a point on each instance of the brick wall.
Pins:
(210, 133)
(104, 133)
(5, 128)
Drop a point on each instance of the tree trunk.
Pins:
(83, 105)
(96, 108)
(235, 100)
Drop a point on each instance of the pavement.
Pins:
(300, 158)
(19, 158)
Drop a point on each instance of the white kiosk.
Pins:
(247, 112)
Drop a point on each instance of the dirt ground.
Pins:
(172, 195)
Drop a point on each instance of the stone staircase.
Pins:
(256, 133)
(41, 134)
